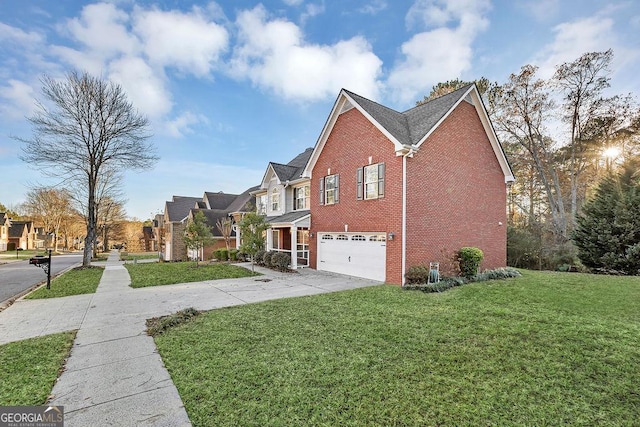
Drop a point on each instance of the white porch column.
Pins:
(269, 239)
(238, 237)
(294, 247)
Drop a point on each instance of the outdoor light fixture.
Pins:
(392, 235)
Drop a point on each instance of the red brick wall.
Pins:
(456, 194)
(349, 146)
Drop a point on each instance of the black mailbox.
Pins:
(39, 259)
(44, 262)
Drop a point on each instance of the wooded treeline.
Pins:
(562, 136)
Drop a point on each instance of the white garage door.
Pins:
(355, 254)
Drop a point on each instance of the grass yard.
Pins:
(169, 273)
(26, 254)
(29, 368)
(80, 280)
(130, 256)
(546, 349)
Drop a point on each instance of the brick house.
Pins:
(171, 226)
(394, 189)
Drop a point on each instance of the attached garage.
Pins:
(355, 254)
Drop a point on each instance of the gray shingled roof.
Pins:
(219, 200)
(287, 218)
(293, 169)
(179, 207)
(241, 202)
(17, 228)
(212, 216)
(411, 126)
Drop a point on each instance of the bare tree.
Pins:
(88, 128)
(49, 207)
(582, 82)
(225, 226)
(522, 109)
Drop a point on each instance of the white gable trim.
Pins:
(343, 103)
(472, 92)
(266, 178)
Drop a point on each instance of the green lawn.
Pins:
(80, 280)
(546, 349)
(29, 368)
(138, 255)
(169, 273)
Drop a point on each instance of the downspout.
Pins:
(408, 152)
(404, 217)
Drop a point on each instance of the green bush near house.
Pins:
(266, 258)
(259, 257)
(233, 254)
(281, 261)
(470, 259)
(221, 254)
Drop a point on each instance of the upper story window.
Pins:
(275, 199)
(262, 204)
(301, 197)
(370, 181)
(329, 189)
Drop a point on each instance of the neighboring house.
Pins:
(21, 235)
(390, 189)
(214, 206)
(175, 214)
(5, 223)
(148, 239)
(284, 197)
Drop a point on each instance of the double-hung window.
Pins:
(329, 189)
(301, 197)
(275, 199)
(262, 204)
(370, 181)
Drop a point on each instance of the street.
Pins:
(16, 277)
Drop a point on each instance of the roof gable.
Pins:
(287, 172)
(179, 207)
(410, 129)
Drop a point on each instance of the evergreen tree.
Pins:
(608, 230)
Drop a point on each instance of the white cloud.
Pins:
(543, 10)
(274, 56)
(144, 86)
(19, 98)
(373, 7)
(186, 41)
(312, 10)
(16, 35)
(292, 2)
(442, 53)
(102, 29)
(572, 39)
(181, 125)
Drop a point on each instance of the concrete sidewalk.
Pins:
(114, 375)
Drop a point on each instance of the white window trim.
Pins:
(275, 200)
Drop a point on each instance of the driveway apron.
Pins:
(115, 376)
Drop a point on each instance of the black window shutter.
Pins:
(359, 177)
(337, 189)
(380, 179)
(322, 191)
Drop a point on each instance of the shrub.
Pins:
(242, 257)
(266, 258)
(470, 259)
(280, 261)
(498, 273)
(233, 254)
(158, 325)
(259, 257)
(417, 274)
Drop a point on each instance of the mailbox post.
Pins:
(44, 262)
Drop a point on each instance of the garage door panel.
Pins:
(355, 254)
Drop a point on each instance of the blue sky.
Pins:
(231, 85)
